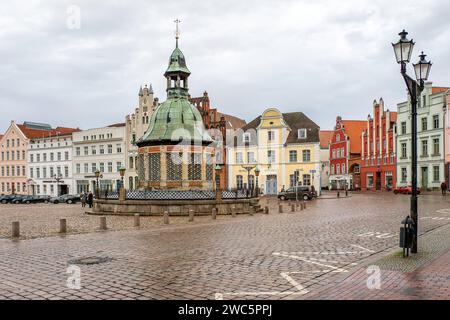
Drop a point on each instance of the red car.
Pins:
(405, 190)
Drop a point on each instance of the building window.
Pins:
(301, 133)
(246, 137)
(435, 146)
(424, 148)
(66, 171)
(93, 150)
(195, 166)
(338, 137)
(404, 174)
(94, 167)
(239, 157)
(436, 121)
(338, 153)
(333, 156)
(270, 135)
(306, 154)
(338, 169)
(174, 166)
(86, 168)
(306, 179)
(154, 166)
(332, 169)
(102, 167)
(436, 177)
(343, 168)
(404, 155)
(403, 126)
(424, 124)
(292, 156)
(78, 168)
(251, 157)
(110, 167)
(370, 180)
(119, 148)
(271, 156)
(78, 151)
(239, 181)
(86, 151)
(102, 149)
(110, 148)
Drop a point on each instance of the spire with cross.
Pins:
(177, 31)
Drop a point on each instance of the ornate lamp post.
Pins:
(217, 170)
(122, 170)
(257, 171)
(403, 50)
(97, 176)
(248, 168)
(58, 178)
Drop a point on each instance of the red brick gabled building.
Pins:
(378, 165)
(345, 154)
(217, 124)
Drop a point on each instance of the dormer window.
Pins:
(246, 137)
(338, 138)
(301, 133)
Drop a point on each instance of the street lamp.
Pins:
(58, 178)
(403, 50)
(248, 168)
(122, 170)
(257, 171)
(97, 176)
(217, 169)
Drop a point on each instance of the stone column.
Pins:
(163, 167)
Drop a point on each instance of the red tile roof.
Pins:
(353, 129)
(37, 133)
(439, 89)
(325, 138)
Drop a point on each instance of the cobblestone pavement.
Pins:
(275, 256)
(42, 220)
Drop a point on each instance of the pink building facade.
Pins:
(447, 138)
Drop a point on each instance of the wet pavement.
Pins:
(275, 256)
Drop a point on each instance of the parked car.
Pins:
(65, 198)
(17, 199)
(299, 192)
(405, 190)
(7, 198)
(36, 199)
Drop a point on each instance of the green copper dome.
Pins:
(176, 119)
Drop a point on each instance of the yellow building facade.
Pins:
(285, 147)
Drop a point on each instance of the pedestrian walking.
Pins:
(83, 199)
(90, 199)
(443, 188)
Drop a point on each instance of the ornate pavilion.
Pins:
(176, 152)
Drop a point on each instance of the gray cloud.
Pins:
(321, 57)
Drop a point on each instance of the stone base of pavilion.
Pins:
(174, 207)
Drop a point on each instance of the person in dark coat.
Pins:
(443, 188)
(90, 199)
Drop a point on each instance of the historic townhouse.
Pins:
(325, 138)
(14, 175)
(378, 165)
(49, 163)
(136, 124)
(430, 139)
(285, 147)
(345, 154)
(447, 137)
(99, 149)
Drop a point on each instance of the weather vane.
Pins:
(177, 31)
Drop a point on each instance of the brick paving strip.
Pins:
(425, 275)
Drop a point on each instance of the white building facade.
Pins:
(101, 149)
(50, 166)
(430, 139)
(136, 124)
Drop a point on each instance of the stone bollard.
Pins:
(137, 220)
(62, 225)
(15, 229)
(293, 208)
(214, 214)
(280, 208)
(266, 210)
(338, 194)
(304, 204)
(252, 210)
(103, 223)
(191, 215)
(166, 217)
(233, 211)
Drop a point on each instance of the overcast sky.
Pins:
(325, 58)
